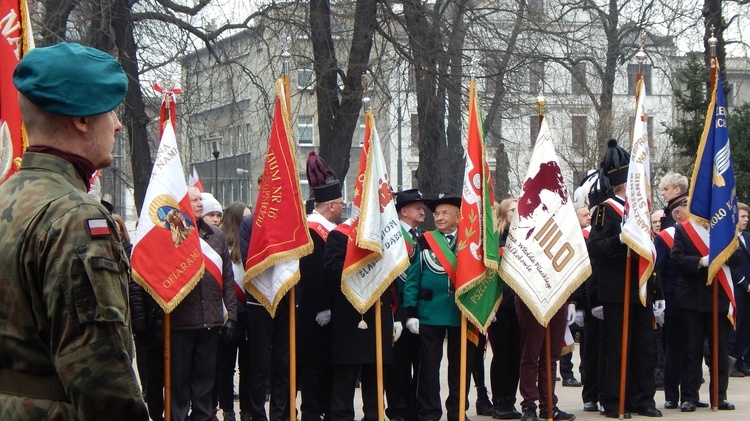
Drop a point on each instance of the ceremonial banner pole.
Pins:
(285, 56)
(625, 332)
(715, 287)
(541, 101)
(167, 367)
(462, 372)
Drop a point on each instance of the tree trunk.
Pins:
(134, 118)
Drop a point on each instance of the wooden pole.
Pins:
(379, 359)
(715, 346)
(625, 335)
(462, 373)
(167, 367)
(550, 374)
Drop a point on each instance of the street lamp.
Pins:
(216, 154)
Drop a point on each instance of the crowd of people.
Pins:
(67, 325)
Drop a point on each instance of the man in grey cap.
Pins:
(65, 342)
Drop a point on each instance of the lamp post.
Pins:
(216, 154)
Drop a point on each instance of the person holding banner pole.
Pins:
(432, 313)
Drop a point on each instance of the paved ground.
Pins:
(570, 400)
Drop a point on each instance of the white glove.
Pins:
(659, 318)
(571, 314)
(598, 312)
(398, 327)
(659, 307)
(413, 325)
(580, 316)
(323, 318)
(704, 262)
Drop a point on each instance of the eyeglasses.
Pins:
(444, 213)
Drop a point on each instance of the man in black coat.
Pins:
(739, 340)
(354, 342)
(695, 300)
(609, 254)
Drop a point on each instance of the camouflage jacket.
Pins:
(65, 343)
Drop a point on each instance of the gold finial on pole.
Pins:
(541, 101)
(712, 42)
(641, 55)
(366, 104)
(285, 55)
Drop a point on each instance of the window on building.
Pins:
(578, 79)
(534, 129)
(633, 77)
(306, 129)
(578, 176)
(305, 78)
(414, 129)
(580, 133)
(536, 75)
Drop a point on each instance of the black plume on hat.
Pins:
(321, 178)
(614, 166)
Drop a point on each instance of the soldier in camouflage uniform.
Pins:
(65, 341)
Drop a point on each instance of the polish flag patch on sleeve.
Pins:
(98, 227)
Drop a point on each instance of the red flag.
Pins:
(167, 257)
(280, 235)
(194, 180)
(17, 40)
(168, 108)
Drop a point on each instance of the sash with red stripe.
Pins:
(722, 275)
(667, 234)
(213, 262)
(443, 252)
(409, 241)
(319, 228)
(586, 232)
(617, 206)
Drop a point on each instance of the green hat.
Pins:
(71, 79)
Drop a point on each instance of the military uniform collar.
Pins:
(43, 161)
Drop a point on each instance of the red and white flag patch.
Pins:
(98, 227)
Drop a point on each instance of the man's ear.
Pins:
(81, 123)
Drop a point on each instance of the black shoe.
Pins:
(529, 414)
(396, 418)
(670, 405)
(572, 382)
(650, 412)
(725, 405)
(625, 416)
(687, 407)
(742, 368)
(700, 404)
(557, 414)
(483, 407)
(736, 373)
(590, 407)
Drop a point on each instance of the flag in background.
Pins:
(168, 108)
(545, 257)
(376, 250)
(636, 228)
(280, 235)
(16, 30)
(713, 198)
(478, 287)
(194, 180)
(167, 258)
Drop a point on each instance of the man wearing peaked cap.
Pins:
(608, 254)
(432, 313)
(66, 343)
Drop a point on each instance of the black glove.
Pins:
(227, 332)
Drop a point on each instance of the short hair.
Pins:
(743, 206)
(675, 180)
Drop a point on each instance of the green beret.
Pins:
(71, 79)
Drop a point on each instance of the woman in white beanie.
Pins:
(211, 209)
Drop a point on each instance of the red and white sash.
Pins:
(667, 234)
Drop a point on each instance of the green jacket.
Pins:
(428, 292)
(65, 341)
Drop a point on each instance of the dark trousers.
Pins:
(673, 340)
(478, 371)
(315, 384)
(155, 378)
(739, 340)
(226, 365)
(533, 373)
(505, 339)
(194, 359)
(401, 386)
(566, 361)
(590, 357)
(431, 339)
(344, 383)
(640, 384)
(268, 353)
(697, 327)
